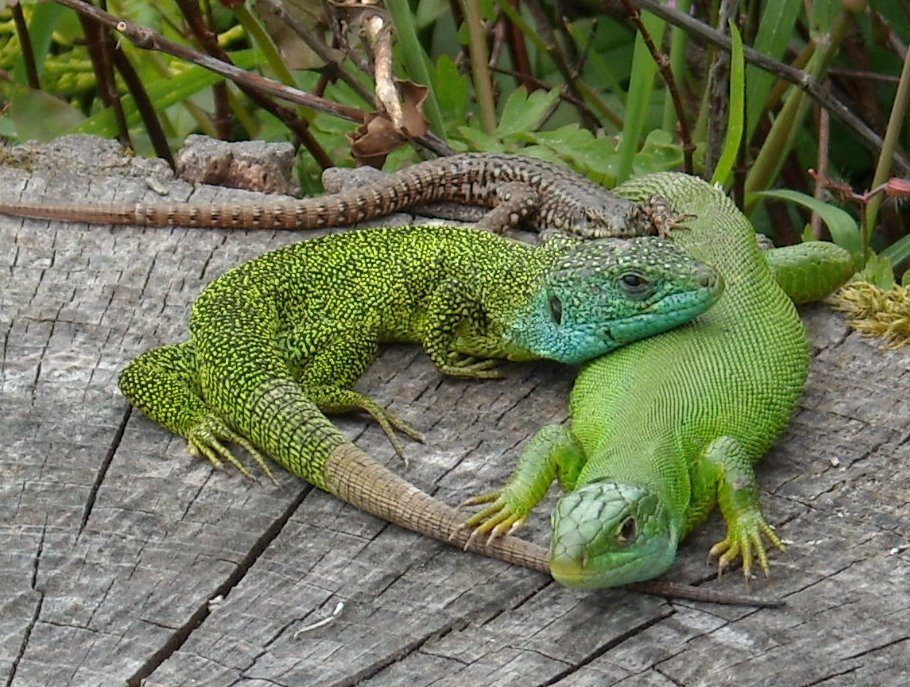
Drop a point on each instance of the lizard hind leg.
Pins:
(326, 359)
(336, 400)
(207, 439)
(163, 383)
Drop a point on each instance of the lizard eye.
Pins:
(556, 309)
(628, 530)
(634, 284)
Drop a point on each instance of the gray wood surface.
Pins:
(125, 561)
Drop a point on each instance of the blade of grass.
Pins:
(640, 90)
(775, 31)
(735, 111)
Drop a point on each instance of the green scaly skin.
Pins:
(279, 340)
(665, 429)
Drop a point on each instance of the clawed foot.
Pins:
(745, 540)
(495, 521)
(390, 422)
(657, 212)
(207, 440)
(334, 399)
(467, 366)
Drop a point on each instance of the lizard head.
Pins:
(602, 294)
(610, 533)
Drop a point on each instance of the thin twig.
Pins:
(378, 33)
(147, 39)
(323, 51)
(561, 60)
(206, 38)
(98, 45)
(824, 145)
(25, 45)
(144, 105)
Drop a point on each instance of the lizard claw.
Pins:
(207, 440)
(468, 366)
(331, 399)
(389, 422)
(494, 521)
(745, 543)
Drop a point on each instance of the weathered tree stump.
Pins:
(125, 560)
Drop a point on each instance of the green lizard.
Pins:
(282, 337)
(665, 429)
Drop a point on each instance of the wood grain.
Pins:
(123, 559)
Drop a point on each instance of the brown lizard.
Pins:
(517, 188)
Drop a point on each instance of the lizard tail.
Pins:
(356, 478)
(298, 436)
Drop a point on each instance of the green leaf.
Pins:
(775, 31)
(452, 89)
(478, 140)
(844, 229)
(641, 89)
(878, 271)
(660, 153)
(42, 23)
(523, 113)
(899, 251)
(39, 116)
(594, 157)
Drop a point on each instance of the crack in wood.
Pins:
(36, 612)
(181, 634)
(103, 469)
(607, 646)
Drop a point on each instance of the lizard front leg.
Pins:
(164, 384)
(451, 311)
(515, 201)
(725, 463)
(553, 453)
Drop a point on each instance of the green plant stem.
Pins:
(678, 42)
(889, 146)
(786, 126)
(704, 33)
(644, 70)
(480, 70)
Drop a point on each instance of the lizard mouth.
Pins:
(580, 572)
(667, 313)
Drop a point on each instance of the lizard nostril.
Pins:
(706, 280)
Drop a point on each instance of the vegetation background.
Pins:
(799, 108)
